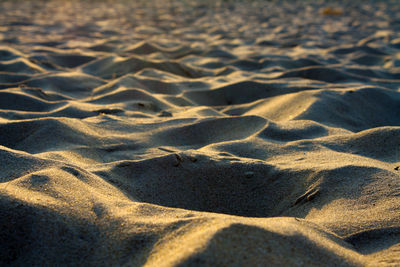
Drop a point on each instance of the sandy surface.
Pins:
(194, 133)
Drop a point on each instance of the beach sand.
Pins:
(199, 133)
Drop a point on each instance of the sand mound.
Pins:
(199, 133)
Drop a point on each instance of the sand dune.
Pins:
(199, 133)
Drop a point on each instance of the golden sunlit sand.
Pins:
(199, 133)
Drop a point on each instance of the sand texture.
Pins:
(199, 133)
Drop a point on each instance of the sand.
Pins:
(199, 133)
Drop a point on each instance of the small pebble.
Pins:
(177, 160)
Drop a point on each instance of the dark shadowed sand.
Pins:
(199, 133)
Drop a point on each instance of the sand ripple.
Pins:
(199, 133)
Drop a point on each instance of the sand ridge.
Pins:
(199, 133)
